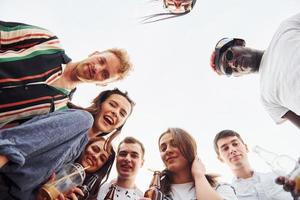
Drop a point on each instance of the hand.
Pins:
(51, 180)
(71, 194)
(288, 185)
(144, 198)
(198, 168)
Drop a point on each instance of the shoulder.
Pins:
(293, 20)
(226, 191)
(103, 191)
(139, 192)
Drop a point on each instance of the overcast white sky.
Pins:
(172, 84)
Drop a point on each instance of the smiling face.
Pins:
(239, 60)
(94, 156)
(113, 113)
(100, 68)
(178, 6)
(171, 155)
(232, 151)
(129, 160)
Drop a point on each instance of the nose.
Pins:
(232, 150)
(127, 158)
(177, 4)
(169, 149)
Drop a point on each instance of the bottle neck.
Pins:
(155, 180)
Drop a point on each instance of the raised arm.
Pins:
(204, 191)
(292, 117)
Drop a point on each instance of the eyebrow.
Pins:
(122, 109)
(130, 152)
(226, 144)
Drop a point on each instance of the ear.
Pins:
(94, 53)
(220, 159)
(142, 164)
(246, 146)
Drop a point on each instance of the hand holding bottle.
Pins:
(287, 169)
(291, 183)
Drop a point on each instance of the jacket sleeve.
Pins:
(43, 133)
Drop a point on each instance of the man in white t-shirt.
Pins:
(130, 158)
(278, 66)
(248, 184)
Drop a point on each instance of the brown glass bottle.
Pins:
(154, 192)
(86, 188)
(111, 193)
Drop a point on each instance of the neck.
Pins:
(127, 183)
(258, 57)
(68, 79)
(183, 176)
(244, 171)
(92, 132)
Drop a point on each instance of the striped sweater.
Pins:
(30, 59)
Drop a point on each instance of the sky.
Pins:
(172, 82)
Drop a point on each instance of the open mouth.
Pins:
(126, 167)
(89, 161)
(108, 119)
(90, 68)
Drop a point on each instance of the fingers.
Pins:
(73, 196)
(289, 185)
(78, 191)
(280, 180)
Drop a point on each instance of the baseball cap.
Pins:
(221, 47)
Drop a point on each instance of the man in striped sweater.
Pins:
(37, 77)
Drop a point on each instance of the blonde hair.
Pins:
(126, 65)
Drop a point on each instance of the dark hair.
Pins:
(132, 140)
(95, 107)
(225, 134)
(188, 148)
(103, 172)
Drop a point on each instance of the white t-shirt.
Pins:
(261, 186)
(120, 193)
(280, 71)
(186, 191)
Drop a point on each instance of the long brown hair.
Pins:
(188, 148)
(104, 171)
(95, 108)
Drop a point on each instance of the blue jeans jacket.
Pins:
(40, 147)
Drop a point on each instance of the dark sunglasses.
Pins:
(228, 57)
(223, 47)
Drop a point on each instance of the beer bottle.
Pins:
(86, 188)
(111, 193)
(154, 192)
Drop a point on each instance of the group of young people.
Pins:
(42, 131)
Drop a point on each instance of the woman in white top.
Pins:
(185, 177)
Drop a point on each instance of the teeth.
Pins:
(109, 119)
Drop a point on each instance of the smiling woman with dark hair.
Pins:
(31, 152)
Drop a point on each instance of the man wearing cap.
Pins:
(278, 66)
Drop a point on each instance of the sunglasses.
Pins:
(223, 46)
(228, 57)
(179, 7)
